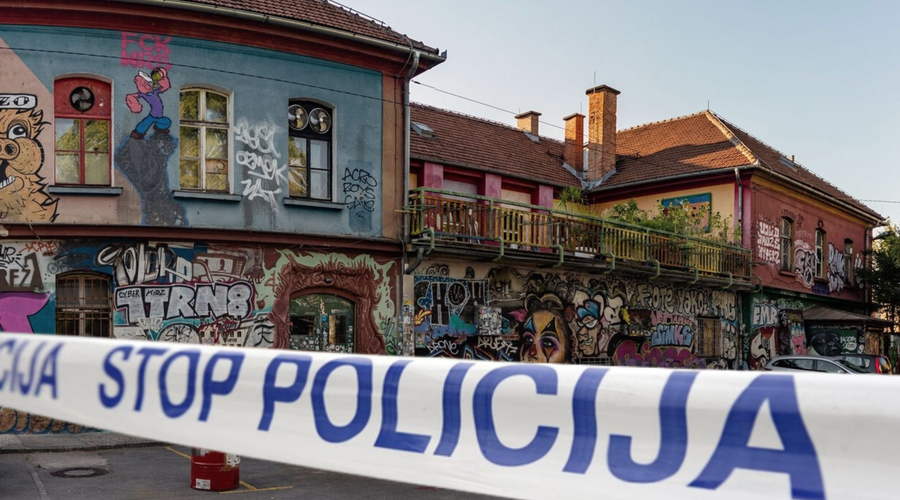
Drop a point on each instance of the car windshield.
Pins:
(850, 366)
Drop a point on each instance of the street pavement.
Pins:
(104, 465)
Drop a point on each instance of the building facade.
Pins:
(225, 173)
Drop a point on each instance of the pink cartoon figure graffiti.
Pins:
(149, 89)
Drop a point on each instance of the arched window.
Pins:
(84, 304)
(203, 146)
(309, 150)
(82, 109)
(322, 322)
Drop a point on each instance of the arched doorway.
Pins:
(322, 322)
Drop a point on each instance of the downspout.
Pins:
(404, 236)
(739, 219)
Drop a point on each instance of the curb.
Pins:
(88, 441)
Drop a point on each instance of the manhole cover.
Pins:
(79, 472)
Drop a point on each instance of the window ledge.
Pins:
(202, 195)
(85, 190)
(785, 272)
(327, 205)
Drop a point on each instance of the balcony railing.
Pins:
(456, 219)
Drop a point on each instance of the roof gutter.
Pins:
(290, 23)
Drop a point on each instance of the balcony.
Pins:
(500, 228)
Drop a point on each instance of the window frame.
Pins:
(309, 135)
(848, 261)
(203, 126)
(709, 337)
(787, 244)
(79, 311)
(63, 109)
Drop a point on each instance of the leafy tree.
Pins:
(883, 277)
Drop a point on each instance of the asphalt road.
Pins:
(163, 472)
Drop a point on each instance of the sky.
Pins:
(816, 79)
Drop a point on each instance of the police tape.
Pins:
(511, 430)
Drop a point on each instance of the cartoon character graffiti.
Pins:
(149, 89)
(22, 195)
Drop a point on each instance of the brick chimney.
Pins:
(528, 122)
(574, 154)
(601, 132)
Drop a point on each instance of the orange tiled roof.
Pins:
(322, 13)
(705, 142)
(488, 146)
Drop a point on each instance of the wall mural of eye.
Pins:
(82, 99)
(320, 120)
(298, 118)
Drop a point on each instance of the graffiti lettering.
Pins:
(17, 101)
(260, 160)
(805, 266)
(153, 50)
(184, 301)
(144, 263)
(836, 277)
(768, 243)
(359, 190)
(764, 314)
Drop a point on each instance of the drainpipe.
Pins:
(739, 219)
(404, 236)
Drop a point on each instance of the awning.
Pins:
(821, 314)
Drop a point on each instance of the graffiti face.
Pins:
(826, 344)
(21, 156)
(544, 338)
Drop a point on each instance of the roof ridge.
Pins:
(667, 120)
(720, 124)
(482, 120)
(795, 163)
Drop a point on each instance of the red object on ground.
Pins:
(214, 471)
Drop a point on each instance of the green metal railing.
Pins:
(455, 218)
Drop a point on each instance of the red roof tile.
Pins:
(322, 13)
(705, 142)
(487, 146)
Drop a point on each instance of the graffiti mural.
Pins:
(831, 340)
(144, 159)
(260, 160)
(565, 318)
(23, 195)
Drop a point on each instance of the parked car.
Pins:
(812, 364)
(872, 363)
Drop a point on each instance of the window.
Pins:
(82, 109)
(322, 322)
(83, 305)
(820, 253)
(848, 261)
(787, 244)
(709, 337)
(203, 141)
(309, 150)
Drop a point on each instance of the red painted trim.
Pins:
(118, 16)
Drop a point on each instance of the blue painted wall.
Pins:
(260, 82)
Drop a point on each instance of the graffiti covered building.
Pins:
(503, 271)
(175, 173)
(505, 263)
